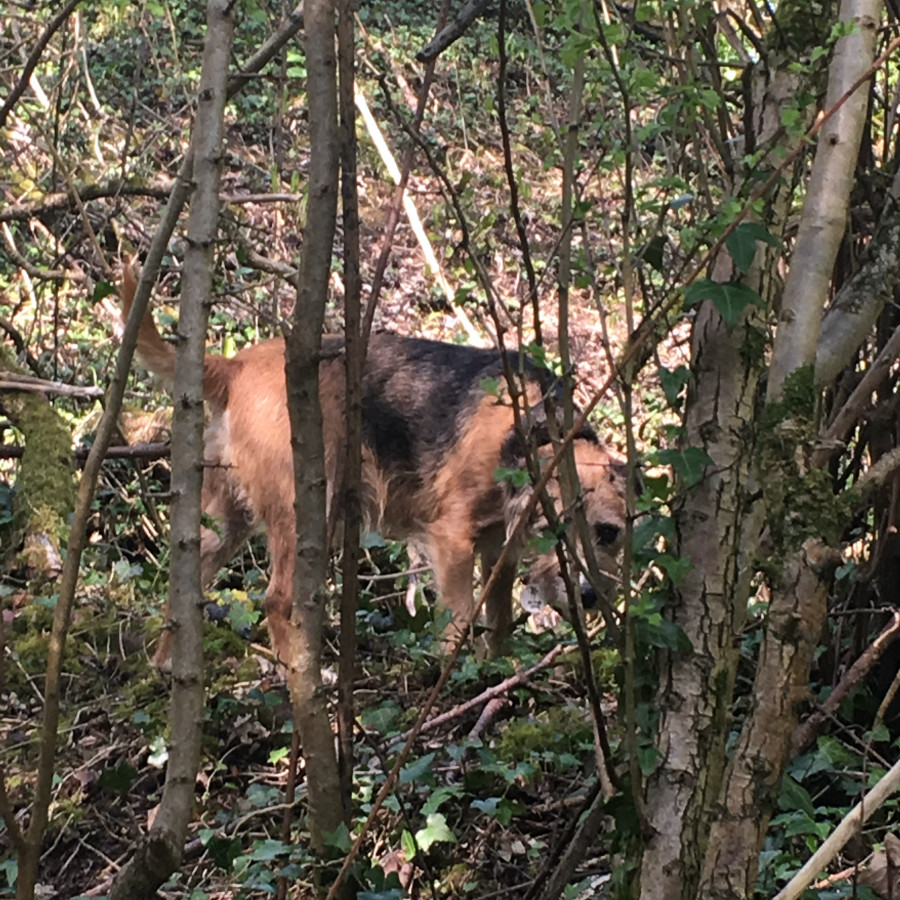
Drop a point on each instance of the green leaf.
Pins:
(224, 851)
(382, 718)
(278, 754)
(416, 770)
(339, 838)
(673, 381)
(436, 830)
(118, 779)
(729, 299)
(103, 289)
(408, 845)
(795, 797)
(440, 796)
(488, 807)
(675, 568)
(490, 386)
(10, 868)
(647, 757)
(516, 477)
(741, 243)
(652, 251)
(688, 463)
(266, 851)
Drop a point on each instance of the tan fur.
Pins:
(456, 509)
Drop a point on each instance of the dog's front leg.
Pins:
(453, 561)
(498, 602)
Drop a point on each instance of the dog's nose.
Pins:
(588, 595)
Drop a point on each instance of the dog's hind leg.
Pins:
(498, 602)
(230, 525)
(282, 547)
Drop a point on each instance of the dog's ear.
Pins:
(619, 469)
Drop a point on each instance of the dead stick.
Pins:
(808, 731)
(134, 451)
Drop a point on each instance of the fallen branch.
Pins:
(498, 690)
(115, 187)
(133, 451)
(850, 825)
(10, 381)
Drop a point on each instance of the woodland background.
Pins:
(688, 210)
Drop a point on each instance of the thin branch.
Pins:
(34, 58)
(452, 32)
(130, 451)
(807, 732)
(9, 381)
(115, 187)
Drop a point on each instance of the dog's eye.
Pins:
(606, 533)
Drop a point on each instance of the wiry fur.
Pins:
(433, 440)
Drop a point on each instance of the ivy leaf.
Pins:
(729, 299)
(795, 797)
(416, 770)
(672, 381)
(339, 838)
(408, 845)
(224, 851)
(266, 851)
(688, 463)
(434, 831)
(741, 243)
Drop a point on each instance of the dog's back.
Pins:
(434, 433)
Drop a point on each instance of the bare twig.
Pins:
(808, 731)
(34, 58)
(130, 451)
(10, 381)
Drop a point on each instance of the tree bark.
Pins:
(717, 529)
(824, 218)
(861, 299)
(795, 622)
(303, 345)
(798, 607)
(160, 853)
(354, 343)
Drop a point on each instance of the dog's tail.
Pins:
(159, 355)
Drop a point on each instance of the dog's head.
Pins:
(602, 478)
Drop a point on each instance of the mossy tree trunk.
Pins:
(718, 520)
(45, 483)
(795, 493)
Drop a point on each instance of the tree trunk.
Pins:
(798, 607)
(717, 527)
(160, 853)
(303, 351)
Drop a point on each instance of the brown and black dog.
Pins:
(433, 440)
